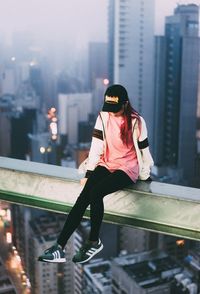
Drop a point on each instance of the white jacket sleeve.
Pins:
(97, 145)
(147, 160)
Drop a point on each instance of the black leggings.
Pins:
(100, 183)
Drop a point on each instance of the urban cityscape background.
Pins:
(51, 90)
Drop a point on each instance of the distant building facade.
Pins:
(176, 89)
(147, 272)
(131, 41)
(73, 109)
(97, 277)
(57, 278)
(98, 62)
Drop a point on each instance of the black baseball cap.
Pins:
(114, 97)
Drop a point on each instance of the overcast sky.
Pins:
(83, 19)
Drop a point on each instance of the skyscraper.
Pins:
(98, 67)
(97, 277)
(73, 108)
(131, 41)
(49, 278)
(147, 272)
(176, 99)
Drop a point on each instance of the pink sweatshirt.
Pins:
(119, 156)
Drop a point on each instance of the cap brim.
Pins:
(110, 107)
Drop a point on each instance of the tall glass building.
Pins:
(176, 85)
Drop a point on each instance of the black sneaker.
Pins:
(53, 254)
(87, 251)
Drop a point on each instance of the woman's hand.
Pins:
(83, 181)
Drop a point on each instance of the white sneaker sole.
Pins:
(60, 260)
(98, 250)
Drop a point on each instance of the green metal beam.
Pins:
(157, 207)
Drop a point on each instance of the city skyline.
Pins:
(49, 101)
(54, 20)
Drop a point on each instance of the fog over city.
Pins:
(76, 20)
(65, 122)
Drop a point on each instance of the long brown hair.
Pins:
(126, 128)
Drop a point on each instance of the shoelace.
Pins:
(51, 249)
(87, 246)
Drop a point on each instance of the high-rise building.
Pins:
(21, 126)
(98, 95)
(8, 83)
(73, 108)
(97, 277)
(158, 138)
(176, 88)
(5, 125)
(130, 59)
(146, 272)
(133, 240)
(42, 148)
(131, 41)
(18, 107)
(46, 278)
(36, 79)
(111, 29)
(6, 285)
(98, 62)
(196, 179)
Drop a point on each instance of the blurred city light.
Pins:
(18, 258)
(8, 237)
(49, 149)
(54, 137)
(105, 82)
(54, 119)
(180, 242)
(2, 212)
(8, 215)
(32, 63)
(42, 150)
(53, 127)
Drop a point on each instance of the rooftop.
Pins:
(46, 227)
(99, 273)
(149, 271)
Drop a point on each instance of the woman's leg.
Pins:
(75, 216)
(113, 182)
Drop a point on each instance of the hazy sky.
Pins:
(83, 19)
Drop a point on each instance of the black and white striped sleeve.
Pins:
(143, 144)
(143, 138)
(97, 134)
